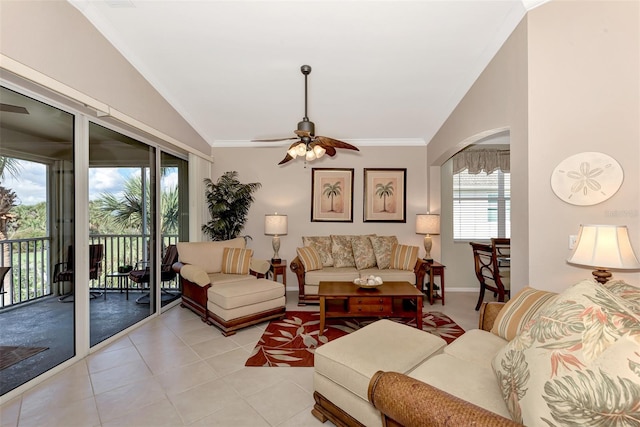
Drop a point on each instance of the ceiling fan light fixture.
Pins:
(293, 152)
(319, 151)
(311, 155)
(301, 149)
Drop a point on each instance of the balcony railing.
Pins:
(31, 269)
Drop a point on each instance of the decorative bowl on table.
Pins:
(368, 282)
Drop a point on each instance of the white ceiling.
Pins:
(383, 71)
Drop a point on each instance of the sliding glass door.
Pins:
(37, 235)
(122, 182)
(66, 288)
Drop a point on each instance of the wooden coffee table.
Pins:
(345, 299)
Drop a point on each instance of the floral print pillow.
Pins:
(322, 244)
(576, 363)
(382, 246)
(342, 251)
(363, 254)
(628, 292)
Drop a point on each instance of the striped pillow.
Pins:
(310, 258)
(519, 310)
(403, 257)
(236, 260)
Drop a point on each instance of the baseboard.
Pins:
(474, 289)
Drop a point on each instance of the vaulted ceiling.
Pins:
(381, 70)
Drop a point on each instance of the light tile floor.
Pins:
(177, 371)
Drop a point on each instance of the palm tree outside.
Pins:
(330, 191)
(384, 191)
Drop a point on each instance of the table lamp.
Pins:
(275, 225)
(604, 247)
(427, 224)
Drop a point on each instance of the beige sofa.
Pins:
(346, 257)
(223, 284)
(541, 359)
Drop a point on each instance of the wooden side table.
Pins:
(279, 269)
(435, 269)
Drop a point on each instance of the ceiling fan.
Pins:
(308, 144)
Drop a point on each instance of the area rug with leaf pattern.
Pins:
(292, 341)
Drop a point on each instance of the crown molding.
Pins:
(382, 142)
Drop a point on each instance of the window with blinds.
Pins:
(481, 205)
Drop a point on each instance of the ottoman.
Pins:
(344, 367)
(235, 305)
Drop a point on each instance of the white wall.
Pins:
(565, 82)
(53, 38)
(287, 190)
(584, 95)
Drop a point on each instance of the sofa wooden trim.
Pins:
(325, 410)
(296, 266)
(405, 401)
(194, 297)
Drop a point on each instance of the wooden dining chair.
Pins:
(485, 265)
(501, 248)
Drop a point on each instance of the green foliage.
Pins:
(228, 201)
(123, 214)
(30, 221)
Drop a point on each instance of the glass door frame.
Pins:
(82, 117)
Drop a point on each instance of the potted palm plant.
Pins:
(228, 201)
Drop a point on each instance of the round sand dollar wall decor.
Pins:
(586, 178)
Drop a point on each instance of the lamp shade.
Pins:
(275, 224)
(427, 224)
(604, 246)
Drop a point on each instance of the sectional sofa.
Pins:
(540, 359)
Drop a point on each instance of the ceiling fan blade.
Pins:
(330, 151)
(274, 140)
(8, 108)
(302, 133)
(286, 159)
(330, 142)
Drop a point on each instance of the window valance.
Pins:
(479, 160)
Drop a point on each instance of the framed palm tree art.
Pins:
(331, 195)
(385, 194)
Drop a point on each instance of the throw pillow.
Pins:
(310, 258)
(553, 371)
(322, 244)
(403, 257)
(363, 254)
(236, 260)
(382, 246)
(628, 292)
(342, 251)
(519, 310)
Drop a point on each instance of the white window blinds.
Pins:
(481, 205)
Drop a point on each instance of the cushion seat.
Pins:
(468, 381)
(344, 367)
(246, 292)
(221, 278)
(331, 274)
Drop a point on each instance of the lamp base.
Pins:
(601, 276)
(427, 259)
(276, 260)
